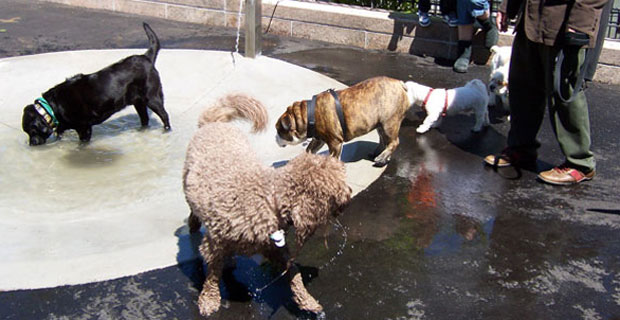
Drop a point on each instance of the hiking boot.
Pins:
(462, 63)
(510, 157)
(423, 19)
(564, 175)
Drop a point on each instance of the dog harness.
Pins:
(445, 105)
(45, 110)
(311, 131)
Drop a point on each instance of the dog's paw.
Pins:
(381, 161)
(422, 129)
(207, 305)
(380, 164)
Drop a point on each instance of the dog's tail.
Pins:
(236, 106)
(154, 46)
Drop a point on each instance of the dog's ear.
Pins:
(286, 123)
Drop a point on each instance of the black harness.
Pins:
(311, 107)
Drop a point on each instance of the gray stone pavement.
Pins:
(437, 236)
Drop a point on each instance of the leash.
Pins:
(257, 292)
(557, 76)
(445, 105)
(573, 43)
(328, 263)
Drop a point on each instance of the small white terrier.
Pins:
(441, 102)
(498, 79)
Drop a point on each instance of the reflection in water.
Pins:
(426, 204)
(467, 227)
(422, 207)
(120, 165)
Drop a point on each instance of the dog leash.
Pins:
(338, 225)
(557, 77)
(445, 105)
(258, 291)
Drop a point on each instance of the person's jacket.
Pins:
(545, 21)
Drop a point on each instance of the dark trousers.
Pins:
(530, 86)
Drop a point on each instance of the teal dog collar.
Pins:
(45, 110)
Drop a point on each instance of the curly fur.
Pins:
(242, 202)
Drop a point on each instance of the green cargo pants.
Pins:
(530, 89)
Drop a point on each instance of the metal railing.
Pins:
(613, 26)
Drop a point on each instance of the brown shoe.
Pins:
(564, 175)
(498, 160)
(509, 157)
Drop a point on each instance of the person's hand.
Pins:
(501, 20)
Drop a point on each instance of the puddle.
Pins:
(120, 165)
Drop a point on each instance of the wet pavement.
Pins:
(437, 236)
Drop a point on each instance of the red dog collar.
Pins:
(445, 105)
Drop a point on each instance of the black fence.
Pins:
(614, 22)
(613, 25)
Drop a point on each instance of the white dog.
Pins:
(441, 102)
(498, 79)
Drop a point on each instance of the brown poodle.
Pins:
(242, 202)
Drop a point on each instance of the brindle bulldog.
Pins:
(334, 117)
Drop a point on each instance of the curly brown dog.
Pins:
(242, 202)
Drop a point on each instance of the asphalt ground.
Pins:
(437, 236)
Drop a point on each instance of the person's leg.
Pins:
(465, 34)
(424, 6)
(528, 96)
(571, 123)
(448, 10)
(491, 35)
(464, 48)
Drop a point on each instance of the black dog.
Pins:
(86, 100)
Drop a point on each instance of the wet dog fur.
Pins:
(86, 100)
(241, 202)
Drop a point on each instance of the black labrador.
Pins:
(86, 100)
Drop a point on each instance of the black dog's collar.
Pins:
(311, 106)
(45, 110)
